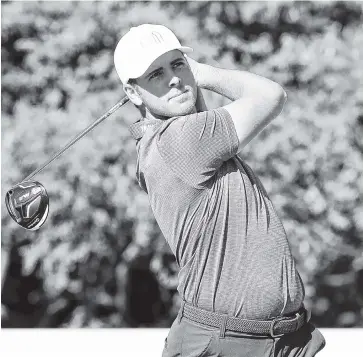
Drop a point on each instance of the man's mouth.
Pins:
(178, 94)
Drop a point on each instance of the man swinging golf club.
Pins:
(241, 293)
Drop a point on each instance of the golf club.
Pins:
(27, 202)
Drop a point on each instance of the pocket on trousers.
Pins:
(197, 340)
(172, 342)
(171, 349)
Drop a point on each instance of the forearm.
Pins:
(255, 100)
(234, 84)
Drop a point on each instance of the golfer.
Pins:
(240, 290)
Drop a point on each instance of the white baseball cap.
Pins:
(141, 46)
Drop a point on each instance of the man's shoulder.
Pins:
(177, 123)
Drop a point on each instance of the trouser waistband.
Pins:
(274, 328)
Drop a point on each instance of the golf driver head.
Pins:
(28, 204)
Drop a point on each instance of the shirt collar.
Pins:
(138, 129)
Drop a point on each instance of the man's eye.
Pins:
(156, 74)
(179, 64)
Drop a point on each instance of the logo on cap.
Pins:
(155, 37)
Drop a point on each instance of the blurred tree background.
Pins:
(100, 259)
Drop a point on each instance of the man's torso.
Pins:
(230, 245)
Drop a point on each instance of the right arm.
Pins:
(256, 100)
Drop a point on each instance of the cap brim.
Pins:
(185, 49)
(142, 70)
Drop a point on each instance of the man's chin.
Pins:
(175, 111)
(184, 109)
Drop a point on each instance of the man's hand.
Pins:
(195, 67)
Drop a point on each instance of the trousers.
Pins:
(187, 338)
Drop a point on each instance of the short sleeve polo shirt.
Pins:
(229, 243)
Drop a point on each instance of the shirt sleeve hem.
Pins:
(234, 142)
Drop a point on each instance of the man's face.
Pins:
(168, 87)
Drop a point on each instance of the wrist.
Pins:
(205, 75)
(226, 82)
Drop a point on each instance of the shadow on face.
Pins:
(167, 88)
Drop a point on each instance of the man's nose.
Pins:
(175, 82)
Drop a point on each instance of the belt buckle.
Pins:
(274, 321)
(297, 315)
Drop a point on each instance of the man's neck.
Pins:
(147, 115)
(151, 116)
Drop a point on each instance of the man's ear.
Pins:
(132, 94)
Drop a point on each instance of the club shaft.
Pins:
(118, 105)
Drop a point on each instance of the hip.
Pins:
(188, 338)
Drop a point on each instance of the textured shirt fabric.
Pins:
(229, 243)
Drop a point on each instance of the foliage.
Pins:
(100, 244)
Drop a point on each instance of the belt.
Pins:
(274, 328)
